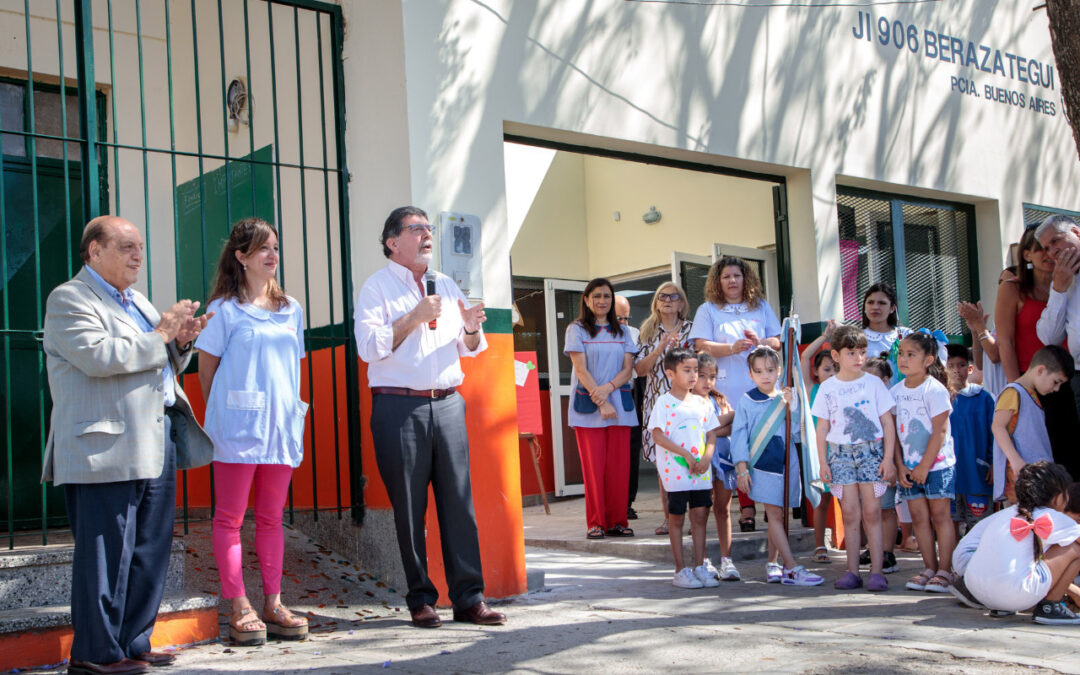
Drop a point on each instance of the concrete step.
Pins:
(32, 637)
(40, 576)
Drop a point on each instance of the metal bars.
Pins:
(187, 178)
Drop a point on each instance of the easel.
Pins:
(534, 446)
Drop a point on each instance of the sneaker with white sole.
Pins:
(964, 596)
(685, 578)
(708, 579)
(889, 564)
(710, 568)
(1054, 614)
(728, 571)
(774, 572)
(800, 576)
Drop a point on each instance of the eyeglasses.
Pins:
(669, 296)
(623, 319)
(421, 228)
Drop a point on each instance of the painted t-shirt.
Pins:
(685, 424)
(853, 408)
(915, 409)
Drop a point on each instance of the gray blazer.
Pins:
(108, 412)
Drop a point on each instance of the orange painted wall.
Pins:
(491, 419)
(330, 469)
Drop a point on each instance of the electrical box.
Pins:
(460, 252)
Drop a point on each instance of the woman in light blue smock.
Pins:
(601, 409)
(249, 369)
(734, 319)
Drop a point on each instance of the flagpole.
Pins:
(789, 381)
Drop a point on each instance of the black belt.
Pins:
(419, 393)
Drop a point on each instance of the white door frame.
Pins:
(678, 257)
(558, 390)
(765, 256)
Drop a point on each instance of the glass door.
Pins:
(562, 301)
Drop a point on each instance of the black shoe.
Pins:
(631, 514)
(889, 564)
(1054, 614)
(864, 557)
(960, 591)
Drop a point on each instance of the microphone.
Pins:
(429, 277)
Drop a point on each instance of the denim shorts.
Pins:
(855, 462)
(940, 484)
(888, 500)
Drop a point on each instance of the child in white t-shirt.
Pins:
(1026, 555)
(927, 468)
(683, 426)
(856, 441)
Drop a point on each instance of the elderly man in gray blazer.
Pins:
(120, 428)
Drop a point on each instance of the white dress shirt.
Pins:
(1061, 319)
(426, 358)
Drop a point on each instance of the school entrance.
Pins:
(577, 213)
(182, 118)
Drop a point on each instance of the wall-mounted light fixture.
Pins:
(652, 216)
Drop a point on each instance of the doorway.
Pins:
(580, 213)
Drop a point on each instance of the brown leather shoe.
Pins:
(121, 667)
(425, 616)
(158, 658)
(480, 614)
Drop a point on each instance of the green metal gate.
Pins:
(182, 117)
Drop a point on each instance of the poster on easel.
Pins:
(527, 379)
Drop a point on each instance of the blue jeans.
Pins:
(940, 484)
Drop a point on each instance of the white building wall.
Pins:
(788, 90)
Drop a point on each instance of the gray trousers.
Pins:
(418, 442)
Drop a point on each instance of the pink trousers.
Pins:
(232, 485)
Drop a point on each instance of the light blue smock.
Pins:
(254, 414)
(726, 324)
(604, 356)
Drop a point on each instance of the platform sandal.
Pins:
(246, 637)
(285, 625)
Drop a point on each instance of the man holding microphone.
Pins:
(412, 328)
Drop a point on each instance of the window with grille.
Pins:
(923, 249)
(1033, 215)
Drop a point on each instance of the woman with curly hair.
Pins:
(734, 319)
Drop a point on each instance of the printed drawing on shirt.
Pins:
(858, 426)
(913, 432)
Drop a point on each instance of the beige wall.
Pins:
(570, 231)
(551, 241)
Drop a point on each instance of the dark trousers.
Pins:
(638, 384)
(418, 442)
(1063, 425)
(123, 536)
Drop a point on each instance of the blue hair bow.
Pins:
(937, 334)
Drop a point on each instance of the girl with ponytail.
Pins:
(926, 466)
(1025, 555)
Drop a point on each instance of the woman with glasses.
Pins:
(734, 319)
(667, 327)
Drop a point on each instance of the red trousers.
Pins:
(605, 465)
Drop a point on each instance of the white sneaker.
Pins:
(707, 564)
(774, 572)
(707, 578)
(728, 571)
(800, 576)
(685, 578)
